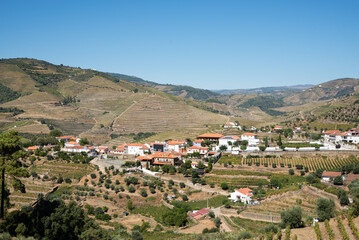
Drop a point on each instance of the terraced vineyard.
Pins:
(64, 169)
(312, 163)
(304, 198)
(236, 182)
(34, 187)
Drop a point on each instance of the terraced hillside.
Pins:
(90, 103)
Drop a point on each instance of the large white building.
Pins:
(251, 138)
(228, 141)
(336, 136)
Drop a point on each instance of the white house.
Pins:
(329, 176)
(230, 125)
(203, 151)
(175, 145)
(228, 141)
(137, 149)
(352, 136)
(336, 136)
(244, 195)
(68, 139)
(251, 138)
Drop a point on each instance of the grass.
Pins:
(230, 158)
(255, 227)
(196, 205)
(151, 211)
(237, 182)
(71, 170)
(164, 235)
(239, 172)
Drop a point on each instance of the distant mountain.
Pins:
(176, 90)
(262, 90)
(325, 91)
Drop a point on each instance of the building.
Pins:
(200, 213)
(244, 195)
(212, 137)
(228, 141)
(230, 125)
(159, 146)
(336, 136)
(203, 151)
(32, 148)
(175, 145)
(68, 139)
(277, 128)
(161, 158)
(122, 149)
(137, 149)
(333, 136)
(251, 138)
(198, 142)
(329, 176)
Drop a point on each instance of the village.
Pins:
(220, 181)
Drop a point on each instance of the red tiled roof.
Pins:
(179, 142)
(201, 148)
(73, 143)
(32, 148)
(245, 191)
(351, 177)
(332, 132)
(202, 212)
(135, 145)
(249, 134)
(65, 137)
(162, 163)
(331, 174)
(210, 135)
(230, 137)
(142, 158)
(199, 141)
(77, 147)
(163, 155)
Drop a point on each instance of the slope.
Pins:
(93, 104)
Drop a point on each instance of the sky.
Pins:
(201, 43)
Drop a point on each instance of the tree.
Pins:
(292, 217)
(9, 144)
(343, 197)
(338, 180)
(55, 133)
(325, 208)
(224, 186)
(266, 142)
(243, 147)
(217, 221)
(223, 148)
(291, 172)
(280, 140)
(84, 141)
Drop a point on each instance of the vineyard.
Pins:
(312, 164)
(236, 182)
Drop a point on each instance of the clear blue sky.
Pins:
(207, 44)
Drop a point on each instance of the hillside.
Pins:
(325, 91)
(90, 103)
(176, 90)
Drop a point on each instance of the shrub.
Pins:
(291, 172)
(93, 176)
(224, 186)
(143, 192)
